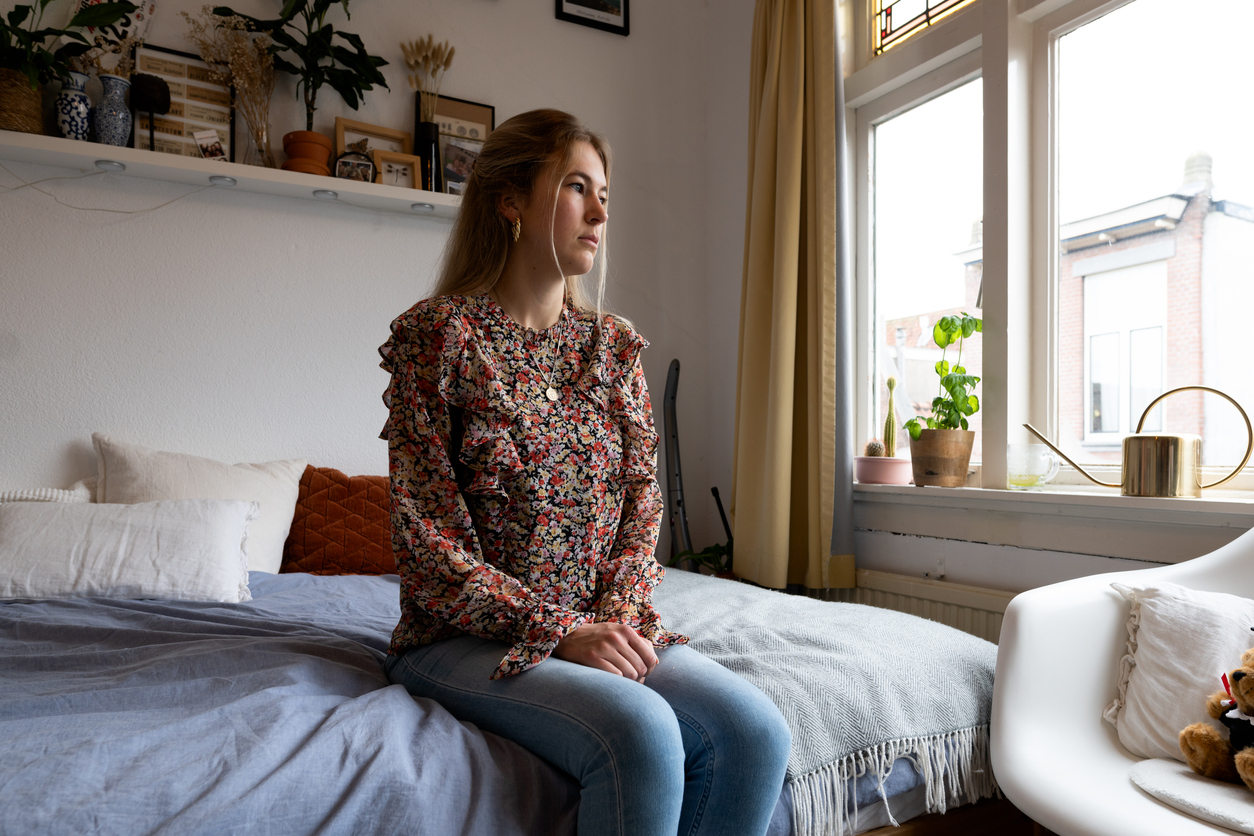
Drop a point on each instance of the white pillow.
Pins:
(188, 549)
(1180, 642)
(129, 473)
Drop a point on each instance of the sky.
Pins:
(1140, 89)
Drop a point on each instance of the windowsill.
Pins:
(1097, 521)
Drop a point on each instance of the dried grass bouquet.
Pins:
(241, 58)
(96, 61)
(427, 62)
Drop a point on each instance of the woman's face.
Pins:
(579, 219)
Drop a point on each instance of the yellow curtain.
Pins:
(785, 467)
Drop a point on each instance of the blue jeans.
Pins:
(693, 750)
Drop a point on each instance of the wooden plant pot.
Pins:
(21, 108)
(307, 151)
(941, 457)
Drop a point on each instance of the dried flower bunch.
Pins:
(241, 58)
(96, 60)
(428, 62)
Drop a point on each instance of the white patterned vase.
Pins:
(73, 107)
(113, 116)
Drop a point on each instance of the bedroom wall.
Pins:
(244, 327)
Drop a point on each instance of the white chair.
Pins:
(1054, 756)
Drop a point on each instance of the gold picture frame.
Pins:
(390, 165)
(349, 132)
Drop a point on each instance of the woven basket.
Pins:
(20, 107)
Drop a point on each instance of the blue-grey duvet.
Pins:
(268, 717)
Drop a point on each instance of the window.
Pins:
(1125, 311)
(927, 245)
(1153, 167)
(1118, 207)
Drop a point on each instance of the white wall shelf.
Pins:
(68, 153)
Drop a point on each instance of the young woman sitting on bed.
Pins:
(525, 512)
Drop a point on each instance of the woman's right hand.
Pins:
(609, 646)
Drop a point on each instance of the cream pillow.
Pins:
(1180, 642)
(189, 549)
(129, 474)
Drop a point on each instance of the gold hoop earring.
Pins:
(517, 228)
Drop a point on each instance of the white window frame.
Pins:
(1013, 46)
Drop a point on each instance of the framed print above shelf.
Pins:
(608, 15)
(464, 126)
(197, 103)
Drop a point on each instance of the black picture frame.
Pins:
(358, 163)
(458, 120)
(185, 73)
(590, 13)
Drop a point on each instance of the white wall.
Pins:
(244, 327)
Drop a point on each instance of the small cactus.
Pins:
(890, 423)
(874, 448)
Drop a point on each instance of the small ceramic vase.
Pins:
(113, 115)
(74, 108)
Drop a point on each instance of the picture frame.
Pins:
(197, 103)
(350, 135)
(606, 15)
(464, 125)
(354, 165)
(210, 144)
(393, 169)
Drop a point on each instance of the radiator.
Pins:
(972, 609)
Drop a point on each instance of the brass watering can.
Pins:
(1160, 464)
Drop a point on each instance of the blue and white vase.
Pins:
(73, 107)
(113, 116)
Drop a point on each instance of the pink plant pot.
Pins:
(881, 470)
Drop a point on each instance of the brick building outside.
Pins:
(1151, 297)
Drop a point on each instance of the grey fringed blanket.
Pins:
(859, 687)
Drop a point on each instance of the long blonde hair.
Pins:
(514, 159)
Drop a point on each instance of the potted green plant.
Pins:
(26, 60)
(880, 465)
(941, 452)
(314, 51)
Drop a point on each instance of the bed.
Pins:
(134, 713)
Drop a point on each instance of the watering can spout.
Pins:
(1067, 459)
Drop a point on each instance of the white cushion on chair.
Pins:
(1228, 805)
(1180, 642)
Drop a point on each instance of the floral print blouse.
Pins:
(516, 517)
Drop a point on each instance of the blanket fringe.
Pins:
(955, 769)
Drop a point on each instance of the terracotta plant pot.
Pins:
(21, 108)
(881, 470)
(307, 151)
(941, 457)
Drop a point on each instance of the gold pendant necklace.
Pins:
(549, 391)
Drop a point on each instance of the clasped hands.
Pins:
(609, 646)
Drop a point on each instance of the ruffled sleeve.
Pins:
(436, 365)
(627, 578)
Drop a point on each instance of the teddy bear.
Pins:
(1206, 750)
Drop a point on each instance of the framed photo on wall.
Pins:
(197, 103)
(464, 126)
(609, 15)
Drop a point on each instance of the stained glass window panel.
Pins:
(896, 20)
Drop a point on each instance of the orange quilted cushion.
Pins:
(342, 525)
